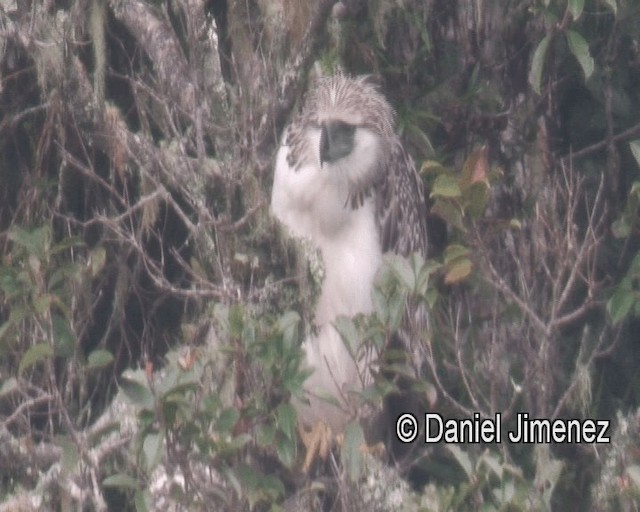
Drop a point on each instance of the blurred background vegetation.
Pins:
(151, 312)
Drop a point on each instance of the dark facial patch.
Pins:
(336, 140)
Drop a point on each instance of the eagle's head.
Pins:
(347, 128)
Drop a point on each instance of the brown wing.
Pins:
(401, 206)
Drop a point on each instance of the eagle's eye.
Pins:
(336, 140)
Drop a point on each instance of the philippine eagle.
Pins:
(344, 181)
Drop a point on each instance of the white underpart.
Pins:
(312, 203)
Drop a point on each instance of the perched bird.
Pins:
(344, 181)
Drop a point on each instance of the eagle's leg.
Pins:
(317, 442)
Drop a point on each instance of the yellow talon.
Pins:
(317, 441)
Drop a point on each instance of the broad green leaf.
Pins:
(152, 448)
(120, 480)
(136, 393)
(396, 305)
(635, 151)
(352, 450)
(36, 241)
(448, 212)
(455, 251)
(65, 340)
(227, 419)
(286, 420)
(347, 330)
(34, 355)
(458, 271)
(142, 500)
(257, 486)
(537, 63)
(288, 324)
(621, 302)
(99, 358)
(431, 166)
(401, 269)
(580, 49)
(286, 450)
(380, 305)
(476, 199)
(445, 186)
(236, 321)
(575, 8)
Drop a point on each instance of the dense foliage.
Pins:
(151, 311)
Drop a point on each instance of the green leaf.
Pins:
(347, 330)
(380, 305)
(621, 301)
(445, 186)
(65, 340)
(352, 450)
(152, 448)
(537, 63)
(458, 271)
(396, 308)
(258, 486)
(120, 480)
(236, 320)
(575, 8)
(454, 251)
(227, 419)
(449, 212)
(136, 393)
(286, 450)
(288, 324)
(401, 269)
(580, 49)
(142, 501)
(99, 358)
(476, 199)
(36, 241)
(34, 355)
(430, 166)
(287, 420)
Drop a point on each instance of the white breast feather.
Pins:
(313, 203)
